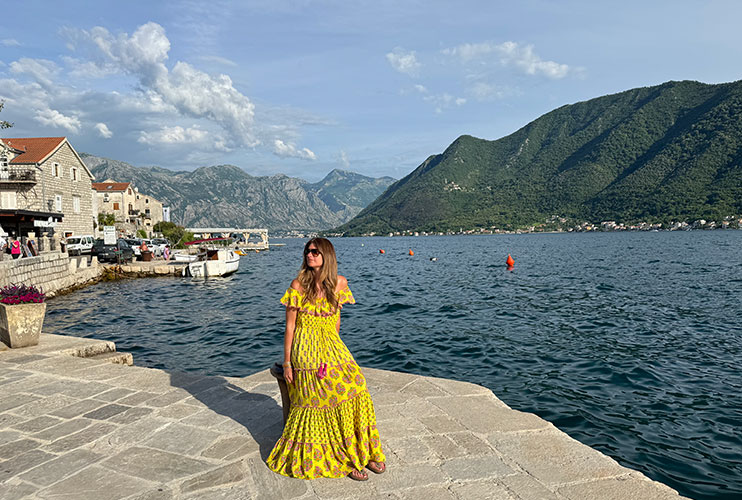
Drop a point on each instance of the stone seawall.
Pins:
(53, 271)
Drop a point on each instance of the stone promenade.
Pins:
(85, 428)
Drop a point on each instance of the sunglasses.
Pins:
(313, 251)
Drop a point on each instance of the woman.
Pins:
(331, 428)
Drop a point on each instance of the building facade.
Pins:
(133, 210)
(44, 187)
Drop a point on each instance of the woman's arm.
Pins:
(288, 340)
(342, 284)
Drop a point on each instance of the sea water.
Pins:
(629, 342)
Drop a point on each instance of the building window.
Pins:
(3, 161)
(58, 202)
(76, 204)
(73, 173)
(8, 199)
(146, 200)
(115, 206)
(55, 169)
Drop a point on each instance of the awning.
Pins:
(29, 215)
(28, 220)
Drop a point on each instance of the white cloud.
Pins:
(184, 89)
(283, 149)
(421, 88)
(41, 70)
(164, 92)
(103, 130)
(53, 118)
(173, 135)
(404, 62)
(10, 42)
(79, 68)
(509, 53)
(219, 60)
(484, 91)
(344, 161)
(444, 101)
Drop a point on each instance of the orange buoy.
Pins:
(411, 252)
(510, 262)
(381, 250)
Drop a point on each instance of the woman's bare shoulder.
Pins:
(342, 282)
(296, 285)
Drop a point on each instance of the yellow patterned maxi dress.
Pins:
(331, 428)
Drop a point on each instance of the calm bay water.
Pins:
(629, 342)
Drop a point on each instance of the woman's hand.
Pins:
(288, 374)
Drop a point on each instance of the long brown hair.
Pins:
(328, 274)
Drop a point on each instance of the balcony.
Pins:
(18, 175)
(133, 211)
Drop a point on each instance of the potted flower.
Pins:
(22, 310)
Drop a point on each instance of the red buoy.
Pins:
(510, 262)
(381, 250)
(411, 252)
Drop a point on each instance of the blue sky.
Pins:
(303, 87)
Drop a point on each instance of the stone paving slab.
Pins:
(75, 428)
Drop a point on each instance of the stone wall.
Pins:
(53, 271)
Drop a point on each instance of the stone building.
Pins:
(150, 211)
(133, 210)
(44, 187)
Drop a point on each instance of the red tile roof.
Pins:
(36, 149)
(114, 186)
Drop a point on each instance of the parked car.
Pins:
(134, 244)
(120, 252)
(158, 245)
(78, 245)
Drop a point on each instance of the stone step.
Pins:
(119, 358)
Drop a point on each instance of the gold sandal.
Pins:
(358, 475)
(377, 467)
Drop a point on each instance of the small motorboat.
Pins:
(213, 262)
(184, 257)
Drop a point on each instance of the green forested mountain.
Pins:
(669, 152)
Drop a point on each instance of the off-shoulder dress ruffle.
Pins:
(293, 298)
(331, 428)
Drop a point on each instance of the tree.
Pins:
(177, 235)
(3, 123)
(141, 233)
(105, 219)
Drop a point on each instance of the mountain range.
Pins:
(226, 195)
(661, 153)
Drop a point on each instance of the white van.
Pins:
(78, 245)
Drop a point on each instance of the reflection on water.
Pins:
(629, 342)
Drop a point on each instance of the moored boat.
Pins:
(184, 257)
(213, 262)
